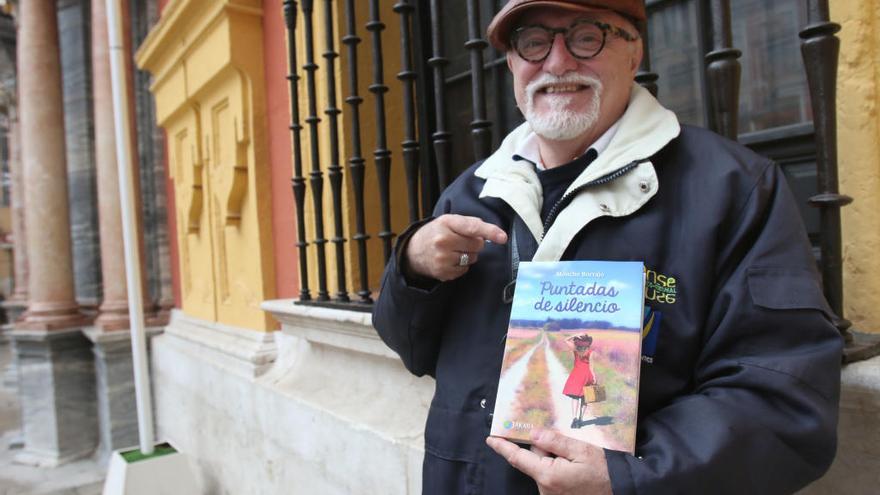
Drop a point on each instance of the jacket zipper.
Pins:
(507, 292)
(569, 196)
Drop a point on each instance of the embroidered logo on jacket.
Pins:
(660, 288)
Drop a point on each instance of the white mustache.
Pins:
(545, 80)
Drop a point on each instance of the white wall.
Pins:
(333, 412)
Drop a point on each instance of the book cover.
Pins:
(573, 351)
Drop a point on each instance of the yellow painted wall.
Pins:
(858, 97)
(206, 60)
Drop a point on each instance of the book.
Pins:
(574, 325)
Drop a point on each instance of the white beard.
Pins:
(559, 123)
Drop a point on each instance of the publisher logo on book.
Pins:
(515, 425)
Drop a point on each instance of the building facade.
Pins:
(283, 144)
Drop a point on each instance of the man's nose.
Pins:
(559, 60)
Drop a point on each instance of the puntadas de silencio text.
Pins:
(573, 303)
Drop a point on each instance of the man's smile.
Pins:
(567, 88)
(566, 85)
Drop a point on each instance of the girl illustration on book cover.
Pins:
(581, 375)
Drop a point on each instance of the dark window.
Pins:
(774, 85)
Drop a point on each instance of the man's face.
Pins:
(563, 97)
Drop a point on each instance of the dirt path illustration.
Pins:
(511, 380)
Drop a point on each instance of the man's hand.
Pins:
(579, 467)
(436, 249)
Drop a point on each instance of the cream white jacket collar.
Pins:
(645, 128)
(528, 147)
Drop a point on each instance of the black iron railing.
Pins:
(381, 154)
(481, 128)
(298, 182)
(356, 162)
(334, 170)
(407, 77)
(438, 63)
(316, 177)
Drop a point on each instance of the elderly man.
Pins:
(740, 381)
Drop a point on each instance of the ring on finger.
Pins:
(464, 259)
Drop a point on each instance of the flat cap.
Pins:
(499, 29)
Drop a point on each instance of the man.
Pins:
(739, 386)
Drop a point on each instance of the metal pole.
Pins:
(316, 178)
(356, 162)
(298, 182)
(481, 132)
(381, 155)
(723, 73)
(438, 63)
(407, 77)
(334, 170)
(129, 227)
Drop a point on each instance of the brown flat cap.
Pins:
(499, 29)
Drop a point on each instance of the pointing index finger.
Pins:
(476, 228)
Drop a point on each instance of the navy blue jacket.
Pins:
(740, 372)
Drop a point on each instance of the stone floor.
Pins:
(84, 477)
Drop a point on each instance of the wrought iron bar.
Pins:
(480, 126)
(356, 162)
(723, 73)
(438, 62)
(381, 154)
(298, 182)
(407, 76)
(316, 180)
(645, 77)
(820, 49)
(334, 171)
(421, 38)
(498, 72)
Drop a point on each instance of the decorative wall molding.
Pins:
(241, 351)
(208, 80)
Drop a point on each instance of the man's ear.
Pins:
(509, 55)
(637, 53)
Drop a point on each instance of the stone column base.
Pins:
(14, 309)
(56, 381)
(114, 378)
(9, 374)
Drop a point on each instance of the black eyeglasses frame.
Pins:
(604, 27)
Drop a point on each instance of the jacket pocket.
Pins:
(787, 288)
(455, 435)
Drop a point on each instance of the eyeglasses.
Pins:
(584, 39)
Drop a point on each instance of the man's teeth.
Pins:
(562, 89)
